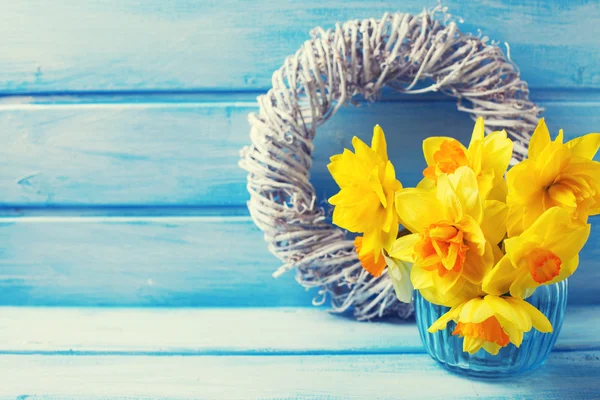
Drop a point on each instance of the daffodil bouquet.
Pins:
(472, 236)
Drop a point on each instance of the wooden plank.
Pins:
(183, 150)
(229, 331)
(179, 45)
(141, 261)
(566, 376)
(167, 261)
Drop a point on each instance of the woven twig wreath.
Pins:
(359, 58)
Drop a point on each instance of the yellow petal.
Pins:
(378, 143)
(403, 247)
(343, 168)
(539, 140)
(522, 285)
(449, 203)
(390, 215)
(491, 348)
(507, 313)
(371, 243)
(585, 146)
(514, 334)
(552, 162)
(498, 191)
(522, 182)
(572, 241)
(420, 278)
(563, 196)
(478, 132)
(493, 224)
(388, 238)
(472, 345)
(485, 182)
(441, 322)
(426, 184)
(447, 285)
(521, 216)
(354, 210)
(475, 150)
(389, 180)
(497, 153)
(477, 266)
(376, 186)
(364, 152)
(498, 280)
(466, 188)
(475, 311)
(515, 218)
(539, 320)
(523, 320)
(473, 233)
(555, 231)
(418, 208)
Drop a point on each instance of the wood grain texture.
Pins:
(180, 45)
(183, 150)
(566, 376)
(140, 261)
(167, 261)
(230, 331)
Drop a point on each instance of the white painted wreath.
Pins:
(356, 60)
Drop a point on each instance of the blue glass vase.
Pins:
(447, 349)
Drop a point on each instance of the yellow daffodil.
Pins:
(555, 174)
(546, 253)
(488, 156)
(492, 322)
(365, 202)
(453, 232)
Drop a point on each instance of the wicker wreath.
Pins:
(355, 61)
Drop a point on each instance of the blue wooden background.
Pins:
(121, 124)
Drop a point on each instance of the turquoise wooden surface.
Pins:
(231, 45)
(229, 331)
(140, 261)
(121, 124)
(257, 353)
(414, 376)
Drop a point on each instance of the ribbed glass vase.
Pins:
(510, 361)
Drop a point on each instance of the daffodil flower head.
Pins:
(488, 156)
(492, 322)
(365, 202)
(450, 246)
(546, 253)
(556, 174)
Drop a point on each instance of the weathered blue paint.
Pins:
(130, 45)
(230, 332)
(83, 353)
(183, 151)
(140, 261)
(567, 376)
